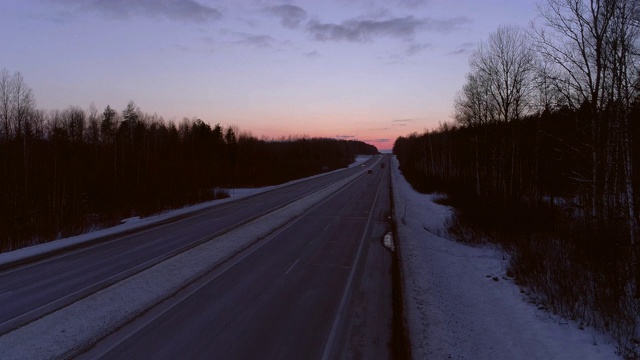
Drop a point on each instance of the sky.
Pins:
(368, 70)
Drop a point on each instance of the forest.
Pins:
(64, 172)
(542, 159)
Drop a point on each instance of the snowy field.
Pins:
(459, 304)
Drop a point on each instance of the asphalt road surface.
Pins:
(318, 288)
(32, 290)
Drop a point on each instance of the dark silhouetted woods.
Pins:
(542, 159)
(65, 172)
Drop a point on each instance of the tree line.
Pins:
(542, 156)
(63, 172)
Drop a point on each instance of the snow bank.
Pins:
(360, 159)
(68, 331)
(126, 225)
(136, 223)
(459, 304)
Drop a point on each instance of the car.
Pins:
(370, 171)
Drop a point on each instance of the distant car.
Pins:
(382, 165)
(370, 171)
(363, 165)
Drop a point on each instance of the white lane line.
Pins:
(326, 227)
(346, 294)
(5, 294)
(291, 267)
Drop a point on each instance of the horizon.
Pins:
(358, 70)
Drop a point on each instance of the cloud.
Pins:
(209, 40)
(182, 10)
(262, 41)
(312, 54)
(344, 137)
(413, 3)
(415, 49)
(365, 30)
(381, 140)
(195, 50)
(390, 3)
(463, 49)
(403, 120)
(290, 16)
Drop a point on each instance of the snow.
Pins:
(136, 223)
(453, 306)
(359, 160)
(68, 331)
(459, 304)
(129, 224)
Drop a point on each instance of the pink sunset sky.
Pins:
(370, 70)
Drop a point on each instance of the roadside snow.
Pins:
(360, 159)
(459, 303)
(67, 332)
(125, 225)
(134, 223)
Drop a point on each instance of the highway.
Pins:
(29, 291)
(318, 288)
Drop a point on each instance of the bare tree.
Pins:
(506, 61)
(23, 104)
(573, 40)
(622, 49)
(592, 45)
(16, 104)
(93, 126)
(547, 95)
(498, 89)
(473, 104)
(5, 102)
(75, 123)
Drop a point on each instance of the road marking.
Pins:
(346, 294)
(291, 267)
(116, 338)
